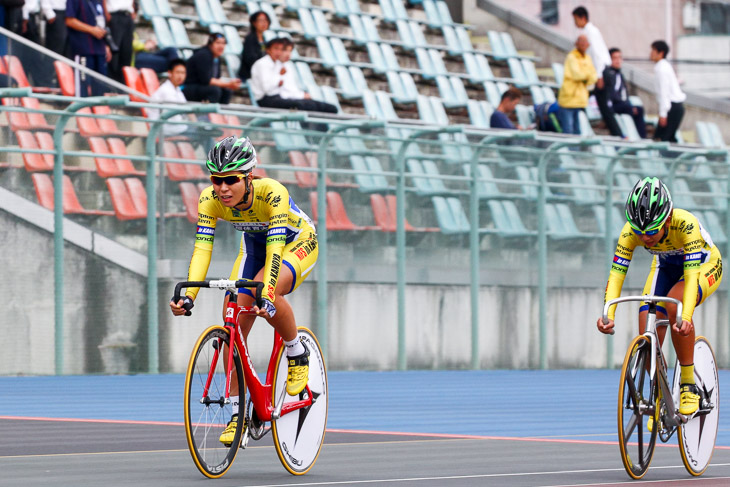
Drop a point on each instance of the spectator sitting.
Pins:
(618, 97)
(500, 116)
(670, 97)
(170, 92)
(579, 74)
(253, 44)
(146, 55)
(273, 83)
(86, 32)
(204, 82)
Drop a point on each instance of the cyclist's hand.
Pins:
(685, 328)
(268, 310)
(178, 308)
(607, 328)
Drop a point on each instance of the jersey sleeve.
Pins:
(619, 267)
(693, 244)
(278, 207)
(204, 236)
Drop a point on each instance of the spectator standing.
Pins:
(601, 58)
(618, 95)
(56, 34)
(86, 31)
(204, 82)
(273, 82)
(500, 116)
(253, 43)
(120, 18)
(13, 15)
(38, 68)
(670, 96)
(573, 96)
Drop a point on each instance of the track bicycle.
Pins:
(297, 423)
(645, 395)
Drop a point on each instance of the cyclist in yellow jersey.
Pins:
(278, 248)
(686, 266)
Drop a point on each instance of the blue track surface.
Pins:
(575, 404)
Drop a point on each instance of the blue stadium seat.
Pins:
(376, 57)
(397, 90)
(525, 115)
(586, 196)
(180, 34)
(528, 68)
(450, 215)
(485, 189)
(330, 96)
(617, 219)
(162, 32)
(326, 53)
(371, 178)
(386, 105)
(288, 137)
(494, 96)
(507, 219)
(371, 105)
(480, 113)
(347, 85)
(558, 71)
(205, 13)
(711, 222)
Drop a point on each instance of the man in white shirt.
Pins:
(273, 83)
(170, 92)
(670, 96)
(601, 58)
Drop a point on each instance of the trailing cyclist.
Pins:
(278, 248)
(686, 266)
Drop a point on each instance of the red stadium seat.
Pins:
(134, 81)
(66, 81)
(190, 196)
(381, 214)
(37, 120)
(304, 179)
(108, 126)
(87, 125)
(34, 161)
(175, 170)
(187, 151)
(108, 167)
(339, 214)
(16, 71)
(150, 80)
(44, 190)
(122, 200)
(329, 221)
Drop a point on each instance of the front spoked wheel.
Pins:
(636, 404)
(206, 411)
(697, 436)
(299, 435)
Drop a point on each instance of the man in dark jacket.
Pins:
(204, 82)
(618, 96)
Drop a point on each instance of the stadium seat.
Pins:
(36, 140)
(112, 167)
(585, 196)
(126, 206)
(15, 69)
(385, 220)
(108, 125)
(424, 186)
(43, 184)
(65, 75)
(30, 119)
(87, 125)
(392, 203)
(507, 220)
(368, 180)
(450, 215)
(485, 188)
(150, 80)
(480, 113)
(337, 218)
(133, 80)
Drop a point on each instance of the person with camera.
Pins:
(88, 40)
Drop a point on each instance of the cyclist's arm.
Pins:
(693, 245)
(620, 265)
(204, 236)
(275, 240)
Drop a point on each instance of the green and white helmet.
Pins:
(649, 204)
(232, 154)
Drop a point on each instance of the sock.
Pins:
(294, 347)
(234, 404)
(687, 374)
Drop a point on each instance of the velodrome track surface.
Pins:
(429, 428)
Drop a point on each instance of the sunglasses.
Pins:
(648, 232)
(229, 180)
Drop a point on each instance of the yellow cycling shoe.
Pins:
(298, 373)
(230, 432)
(689, 400)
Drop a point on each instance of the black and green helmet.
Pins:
(232, 154)
(649, 204)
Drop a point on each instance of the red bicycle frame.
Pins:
(261, 394)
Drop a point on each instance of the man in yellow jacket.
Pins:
(578, 76)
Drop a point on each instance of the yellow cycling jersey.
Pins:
(686, 244)
(272, 219)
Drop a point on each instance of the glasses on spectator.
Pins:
(229, 180)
